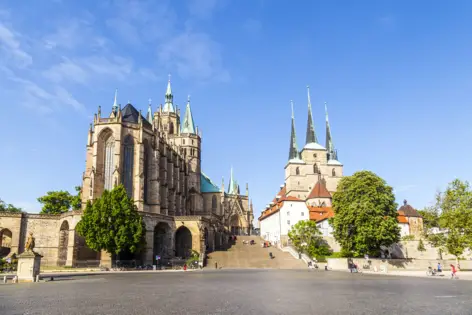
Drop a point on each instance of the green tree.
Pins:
(455, 206)
(112, 223)
(421, 247)
(76, 201)
(4, 207)
(365, 214)
(306, 237)
(55, 202)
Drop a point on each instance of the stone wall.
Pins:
(409, 249)
(395, 264)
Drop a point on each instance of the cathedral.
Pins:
(157, 158)
(312, 175)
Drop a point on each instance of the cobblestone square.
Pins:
(238, 292)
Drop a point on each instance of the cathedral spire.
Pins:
(149, 112)
(232, 187)
(188, 126)
(332, 154)
(169, 99)
(115, 103)
(310, 127)
(293, 151)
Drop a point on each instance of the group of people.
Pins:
(453, 270)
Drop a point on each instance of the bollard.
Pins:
(4, 279)
(37, 278)
(216, 265)
(15, 279)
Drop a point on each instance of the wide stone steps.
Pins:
(252, 256)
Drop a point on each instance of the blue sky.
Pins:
(397, 77)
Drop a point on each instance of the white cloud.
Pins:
(11, 47)
(67, 70)
(195, 56)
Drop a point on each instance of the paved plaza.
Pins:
(238, 292)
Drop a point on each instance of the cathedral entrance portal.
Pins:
(161, 241)
(235, 225)
(63, 243)
(183, 242)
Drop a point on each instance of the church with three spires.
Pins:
(311, 177)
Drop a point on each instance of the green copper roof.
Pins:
(293, 151)
(169, 104)
(233, 185)
(206, 185)
(310, 126)
(188, 126)
(149, 112)
(332, 153)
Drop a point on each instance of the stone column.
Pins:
(71, 249)
(148, 255)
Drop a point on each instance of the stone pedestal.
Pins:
(29, 264)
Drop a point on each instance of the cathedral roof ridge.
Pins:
(319, 190)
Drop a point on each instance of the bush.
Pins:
(408, 238)
(192, 261)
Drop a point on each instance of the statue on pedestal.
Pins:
(30, 243)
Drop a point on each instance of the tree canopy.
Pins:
(306, 237)
(57, 202)
(365, 214)
(112, 223)
(4, 207)
(452, 215)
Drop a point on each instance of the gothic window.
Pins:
(333, 172)
(128, 157)
(171, 128)
(323, 204)
(315, 169)
(109, 165)
(314, 155)
(183, 141)
(146, 170)
(297, 171)
(91, 187)
(213, 204)
(192, 141)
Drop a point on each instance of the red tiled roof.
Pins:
(319, 214)
(402, 219)
(319, 191)
(408, 210)
(277, 204)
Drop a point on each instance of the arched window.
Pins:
(109, 162)
(213, 204)
(146, 170)
(171, 128)
(333, 172)
(91, 187)
(315, 169)
(183, 141)
(128, 158)
(297, 171)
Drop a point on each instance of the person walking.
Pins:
(453, 271)
(439, 267)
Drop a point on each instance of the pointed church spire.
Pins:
(169, 104)
(115, 103)
(232, 187)
(149, 112)
(332, 155)
(188, 126)
(293, 152)
(310, 127)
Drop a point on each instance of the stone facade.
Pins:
(158, 160)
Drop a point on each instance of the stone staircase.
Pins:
(241, 256)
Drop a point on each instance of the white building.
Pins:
(280, 217)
